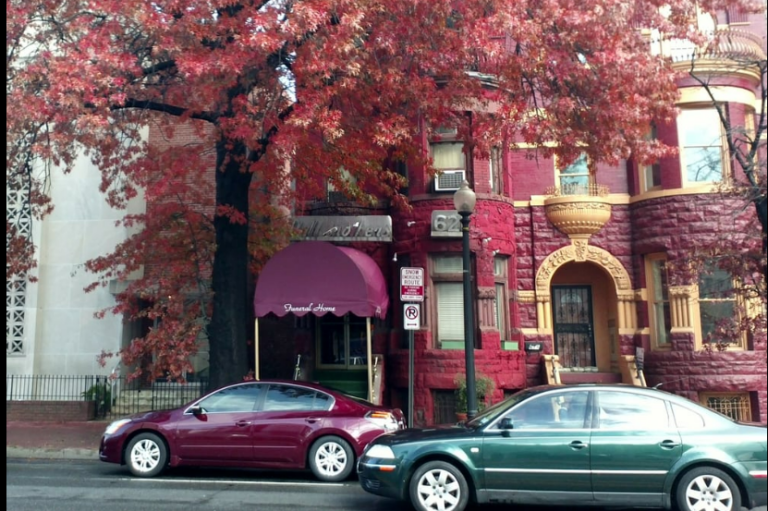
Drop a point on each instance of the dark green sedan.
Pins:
(604, 445)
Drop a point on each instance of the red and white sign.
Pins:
(411, 284)
(411, 316)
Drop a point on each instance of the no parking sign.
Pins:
(411, 316)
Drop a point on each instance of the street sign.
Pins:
(411, 284)
(411, 316)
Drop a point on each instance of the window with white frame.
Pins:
(575, 179)
(447, 279)
(658, 299)
(500, 265)
(19, 215)
(701, 146)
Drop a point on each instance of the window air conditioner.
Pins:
(449, 180)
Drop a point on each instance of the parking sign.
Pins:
(411, 284)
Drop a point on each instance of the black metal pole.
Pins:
(410, 378)
(469, 338)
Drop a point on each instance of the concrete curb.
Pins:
(52, 454)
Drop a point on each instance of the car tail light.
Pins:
(384, 420)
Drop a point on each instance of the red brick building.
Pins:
(562, 263)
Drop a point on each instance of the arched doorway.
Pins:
(585, 300)
(584, 311)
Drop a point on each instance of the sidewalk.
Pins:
(54, 440)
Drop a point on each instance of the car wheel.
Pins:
(331, 459)
(708, 489)
(146, 455)
(438, 485)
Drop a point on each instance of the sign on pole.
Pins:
(411, 284)
(411, 316)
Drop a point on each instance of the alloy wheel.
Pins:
(145, 455)
(439, 490)
(331, 459)
(709, 493)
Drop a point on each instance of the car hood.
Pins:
(155, 416)
(436, 433)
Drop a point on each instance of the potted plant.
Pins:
(484, 387)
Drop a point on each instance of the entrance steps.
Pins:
(557, 375)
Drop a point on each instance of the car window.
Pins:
(625, 410)
(322, 401)
(561, 410)
(240, 398)
(687, 418)
(284, 398)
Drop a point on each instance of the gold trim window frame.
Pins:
(737, 306)
(696, 127)
(657, 283)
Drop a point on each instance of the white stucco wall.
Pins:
(62, 336)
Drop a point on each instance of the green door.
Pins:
(546, 451)
(634, 445)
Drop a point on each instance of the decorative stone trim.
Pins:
(683, 308)
(524, 296)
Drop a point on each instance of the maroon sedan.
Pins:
(263, 424)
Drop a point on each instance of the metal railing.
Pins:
(114, 396)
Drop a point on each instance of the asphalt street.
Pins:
(62, 485)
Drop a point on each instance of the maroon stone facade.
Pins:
(514, 223)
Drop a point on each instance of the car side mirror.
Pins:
(197, 410)
(506, 426)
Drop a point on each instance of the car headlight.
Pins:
(380, 451)
(115, 426)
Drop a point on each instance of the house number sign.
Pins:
(445, 224)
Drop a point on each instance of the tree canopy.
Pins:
(323, 84)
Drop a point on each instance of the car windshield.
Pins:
(490, 413)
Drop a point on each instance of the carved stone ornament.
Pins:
(486, 293)
(578, 216)
(582, 253)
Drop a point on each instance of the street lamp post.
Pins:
(464, 200)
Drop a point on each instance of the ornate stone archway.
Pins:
(580, 251)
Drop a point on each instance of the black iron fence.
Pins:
(112, 396)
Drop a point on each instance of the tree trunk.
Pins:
(761, 206)
(227, 331)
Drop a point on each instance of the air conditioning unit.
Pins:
(449, 180)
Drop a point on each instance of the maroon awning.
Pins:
(319, 278)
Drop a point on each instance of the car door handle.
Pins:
(242, 424)
(311, 420)
(578, 444)
(669, 444)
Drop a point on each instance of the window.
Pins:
(564, 410)
(496, 171)
(687, 418)
(241, 398)
(622, 410)
(336, 195)
(650, 175)
(701, 151)
(287, 398)
(735, 405)
(575, 179)
(447, 280)
(444, 406)
(659, 314)
(451, 163)
(342, 342)
(717, 304)
(500, 265)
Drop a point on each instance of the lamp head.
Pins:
(464, 199)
